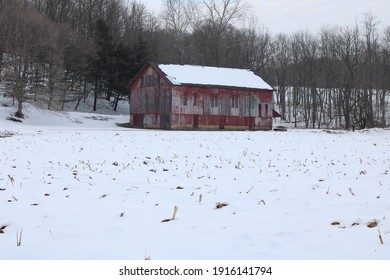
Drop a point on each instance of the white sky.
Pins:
(287, 16)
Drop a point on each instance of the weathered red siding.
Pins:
(156, 103)
(150, 100)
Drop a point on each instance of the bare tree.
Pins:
(2, 51)
(221, 13)
(22, 28)
(370, 71)
(308, 47)
(348, 50)
(56, 44)
(135, 21)
(385, 79)
(255, 45)
(176, 17)
(212, 23)
(281, 60)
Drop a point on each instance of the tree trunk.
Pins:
(96, 94)
(383, 107)
(282, 96)
(19, 89)
(295, 111)
(116, 101)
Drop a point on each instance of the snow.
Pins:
(216, 76)
(80, 187)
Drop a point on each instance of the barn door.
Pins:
(222, 122)
(251, 122)
(165, 121)
(196, 122)
(139, 120)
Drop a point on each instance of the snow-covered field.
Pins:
(76, 186)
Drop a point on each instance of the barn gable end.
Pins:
(196, 97)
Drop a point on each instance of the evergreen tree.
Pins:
(141, 54)
(122, 71)
(101, 62)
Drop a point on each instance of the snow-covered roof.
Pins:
(213, 76)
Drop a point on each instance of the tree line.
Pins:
(54, 51)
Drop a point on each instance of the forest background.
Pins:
(56, 51)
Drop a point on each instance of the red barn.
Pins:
(196, 97)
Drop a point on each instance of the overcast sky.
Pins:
(287, 16)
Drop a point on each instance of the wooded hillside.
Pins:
(54, 51)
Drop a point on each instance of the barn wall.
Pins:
(151, 100)
(156, 103)
(220, 108)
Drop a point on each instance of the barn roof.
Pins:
(212, 76)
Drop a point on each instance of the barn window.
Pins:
(149, 81)
(266, 110)
(147, 101)
(142, 81)
(260, 111)
(214, 100)
(195, 99)
(185, 100)
(234, 101)
(251, 102)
